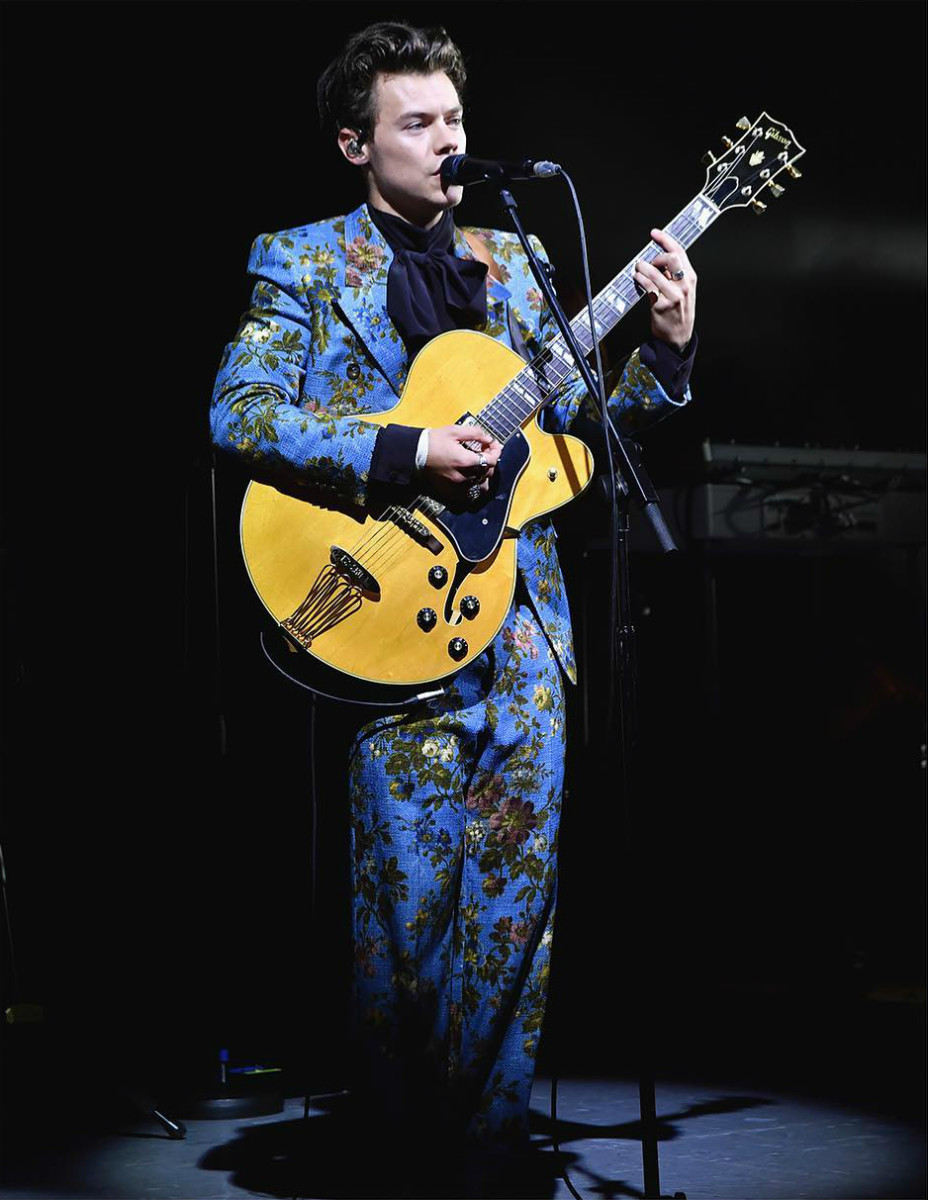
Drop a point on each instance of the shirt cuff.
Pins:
(669, 367)
(422, 450)
(394, 457)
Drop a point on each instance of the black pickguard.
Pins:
(476, 529)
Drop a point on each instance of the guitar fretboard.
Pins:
(540, 379)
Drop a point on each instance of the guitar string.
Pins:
(682, 224)
(684, 227)
(391, 537)
(421, 501)
(398, 543)
(581, 328)
(509, 406)
(623, 287)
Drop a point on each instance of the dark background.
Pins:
(157, 821)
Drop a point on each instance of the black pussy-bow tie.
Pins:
(429, 289)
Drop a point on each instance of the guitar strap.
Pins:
(479, 251)
(518, 341)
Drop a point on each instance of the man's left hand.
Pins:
(673, 301)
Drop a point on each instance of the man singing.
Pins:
(454, 803)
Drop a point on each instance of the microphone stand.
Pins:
(632, 481)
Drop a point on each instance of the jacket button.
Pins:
(354, 371)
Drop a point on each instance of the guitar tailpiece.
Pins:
(329, 601)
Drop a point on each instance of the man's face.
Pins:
(419, 123)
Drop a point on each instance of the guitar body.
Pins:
(381, 614)
(387, 600)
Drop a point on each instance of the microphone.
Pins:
(463, 168)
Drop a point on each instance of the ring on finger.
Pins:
(678, 275)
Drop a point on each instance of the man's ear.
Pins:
(350, 144)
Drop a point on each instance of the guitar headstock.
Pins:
(738, 176)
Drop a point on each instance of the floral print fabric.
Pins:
(317, 351)
(454, 805)
(454, 815)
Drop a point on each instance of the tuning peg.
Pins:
(727, 143)
(792, 172)
(744, 124)
(776, 190)
(708, 159)
(758, 206)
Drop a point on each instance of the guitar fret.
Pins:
(615, 301)
(491, 427)
(524, 392)
(504, 424)
(556, 346)
(705, 212)
(537, 376)
(581, 331)
(512, 403)
(537, 383)
(521, 408)
(517, 402)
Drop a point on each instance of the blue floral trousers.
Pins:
(454, 819)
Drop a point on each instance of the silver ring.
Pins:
(482, 462)
(473, 492)
(678, 275)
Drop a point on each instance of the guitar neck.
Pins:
(539, 380)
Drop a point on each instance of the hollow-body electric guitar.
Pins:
(388, 602)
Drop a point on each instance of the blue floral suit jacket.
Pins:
(317, 350)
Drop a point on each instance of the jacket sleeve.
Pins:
(638, 399)
(259, 412)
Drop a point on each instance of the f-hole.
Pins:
(453, 616)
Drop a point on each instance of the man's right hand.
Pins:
(452, 469)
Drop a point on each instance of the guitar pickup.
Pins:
(470, 419)
(416, 530)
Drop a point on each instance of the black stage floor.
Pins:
(716, 1142)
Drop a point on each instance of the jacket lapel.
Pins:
(363, 297)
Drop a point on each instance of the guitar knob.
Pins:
(709, 158)
(426, 619)
(759, 207)
(470, 606)
(793, 172)
(457, 648)
(438, 577)
(727, 143)
(776, 190)
(744, 124)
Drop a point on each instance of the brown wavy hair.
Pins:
(345, 91)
